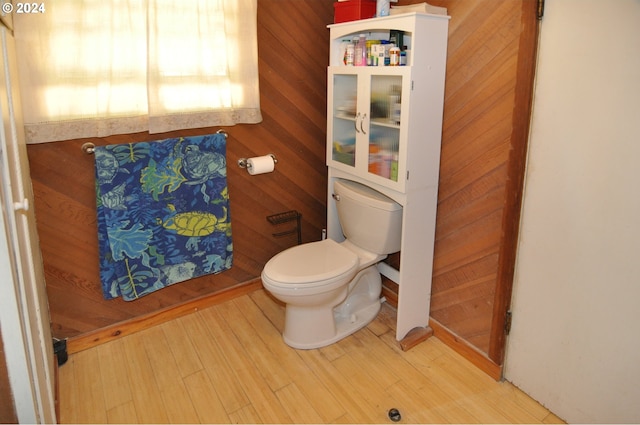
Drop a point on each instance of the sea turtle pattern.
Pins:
(163, 213)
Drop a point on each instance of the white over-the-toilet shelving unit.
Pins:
(384, 130)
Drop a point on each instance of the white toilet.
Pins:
(333, 289)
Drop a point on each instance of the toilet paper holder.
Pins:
(243, 163)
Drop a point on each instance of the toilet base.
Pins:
(307, 328)
(344, 326)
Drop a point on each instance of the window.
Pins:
(96, 67)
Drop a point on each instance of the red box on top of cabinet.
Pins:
(352, 10)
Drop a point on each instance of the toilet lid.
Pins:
(311, 263)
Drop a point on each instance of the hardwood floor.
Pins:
(228, 364)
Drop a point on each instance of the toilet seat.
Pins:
(311, 265)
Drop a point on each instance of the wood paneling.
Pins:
(293, 55)
(490, 66)
(488, 90)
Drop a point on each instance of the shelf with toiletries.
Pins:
(372, 97)
(384, 128)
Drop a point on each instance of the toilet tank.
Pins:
(368, 218)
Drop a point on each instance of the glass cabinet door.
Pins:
(345, 118)
(365, 107)
(384, 129)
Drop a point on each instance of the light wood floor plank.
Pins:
(455, 387)
(511, 392)
(485, 413)
(213, 359)
(228, 364)
(182, 348)
(204, 397)
(69, 397)
(175, 397)
(415, 407)
(455, 414)
(272, 309)
(318, 395)
(123, 414)
(88, 381)
(508, 406)
(178, 404)
(269, 366)
(144, 389)
(377, 355)
(115, 380)
(297, 405)
(345, 419)
(335, 382)
(552, 419)
(164, 366)
(249, 377)
(357, 379)
(246, 415)
(335, 351)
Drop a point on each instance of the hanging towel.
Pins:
(163, 213)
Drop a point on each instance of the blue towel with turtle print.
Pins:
(163, 213)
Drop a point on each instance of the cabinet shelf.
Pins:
(385, 123)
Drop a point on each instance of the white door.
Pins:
(24, 314)
(574, 342)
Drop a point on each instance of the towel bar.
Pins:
(89, 148)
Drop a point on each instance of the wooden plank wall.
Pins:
(490, 66)
(491, 51)
(293, 55)
(480, 112)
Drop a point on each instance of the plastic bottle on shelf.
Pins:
(349, 54)
(394, 56)
(403, 56)
(342, 55)
(372, 52)
(360, 56)
(387, 46)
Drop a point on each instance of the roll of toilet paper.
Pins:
(260, 165)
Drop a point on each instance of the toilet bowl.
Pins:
(332, 289)
(313, 280)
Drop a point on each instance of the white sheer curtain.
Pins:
(100, 67)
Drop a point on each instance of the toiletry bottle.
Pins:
(342, 55)
(360, 58)
(349, 54)
(394, 56)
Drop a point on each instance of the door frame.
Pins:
(24, 313)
